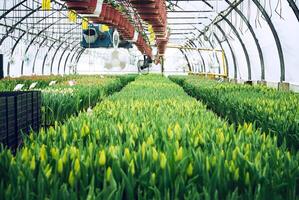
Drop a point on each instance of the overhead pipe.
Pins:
(231, 51)
(243, 47)
(32, 41)
(186, 58)
(60, 59)
(294, 7)
(276, 38)
(37, 51)
(203, 67)
(67, 58)
(12, 51)
(262, 62)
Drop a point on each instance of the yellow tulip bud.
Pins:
(127, 155)
(43, 153)
(102, 159)
(222, 153)
(178, 131)
(220, 138)
(120, 128)
(71, 179)
(73, 152)
(232, 166)
(200, 139)
(236, 174)
(60, 166)
(108, 173)
(264, 137)
(54, 153)
(235, 153)
(31, 136)
(87, 130)
(289, 156)
(25, 154)
(97, 134)
(143, 149)
(75, 136)
(153, 179)
(214, 161)
(179, 155)
(150, 140)
(48, 171)
(64, 133)
(32, 163)
(169, 132)
(277, 154)
(190, 169)
(65, 155)
(207, 164)
(112, 151)
(163, 160)
(77, 166)
(154, 154)
(249, 129)
(132, 167)
(257, 159)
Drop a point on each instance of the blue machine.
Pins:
(94, 37)
(97, 35)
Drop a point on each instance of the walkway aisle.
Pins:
(151, 140)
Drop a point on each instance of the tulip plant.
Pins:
(149, 141)
(275, 112)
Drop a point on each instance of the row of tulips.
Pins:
(62, 101)
(275, 112)
(149, 141)
(8, 84)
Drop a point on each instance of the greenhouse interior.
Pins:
(149, 99)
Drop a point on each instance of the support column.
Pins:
(262, 83)
(248, 83)
(284, 86)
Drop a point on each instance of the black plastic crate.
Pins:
(3, 121)
(20, 111)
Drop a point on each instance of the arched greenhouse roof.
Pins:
(255, 40)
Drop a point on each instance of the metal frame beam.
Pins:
(262, 62)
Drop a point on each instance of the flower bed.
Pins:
(8, 84)
(149, 141)
(62, 101)
(273, 111)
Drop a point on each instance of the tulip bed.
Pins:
(8, 84)
(273, 111)
(62, 101)
(149, 141)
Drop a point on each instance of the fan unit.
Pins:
(94, 37)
